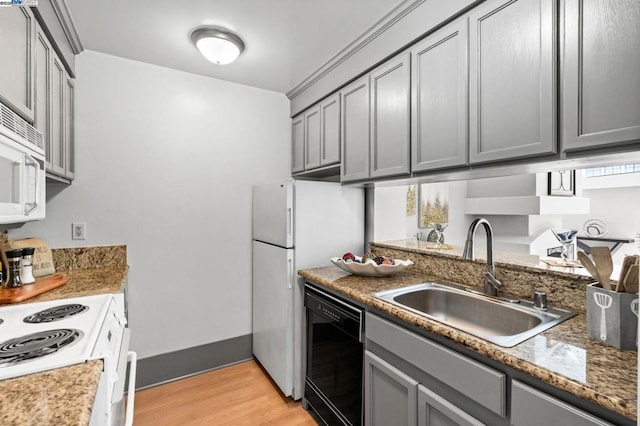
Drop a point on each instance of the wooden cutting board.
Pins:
(15, 295)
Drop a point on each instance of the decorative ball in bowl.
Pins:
(370, 266)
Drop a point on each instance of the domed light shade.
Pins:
(217, 45)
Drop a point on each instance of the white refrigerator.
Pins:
(296, 225)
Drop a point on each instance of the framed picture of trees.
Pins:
(433, 204)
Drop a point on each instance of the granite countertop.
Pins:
(562, 356)
(65, 396)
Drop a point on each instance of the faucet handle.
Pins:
(540, 300)
(493, 280)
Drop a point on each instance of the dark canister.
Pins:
(13, 268)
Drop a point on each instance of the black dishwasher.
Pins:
(333, 383)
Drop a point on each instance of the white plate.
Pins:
(370, 269)
(595, 228)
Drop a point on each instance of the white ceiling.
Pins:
(286, 40)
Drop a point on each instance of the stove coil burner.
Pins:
(35, 345)
(56, 313)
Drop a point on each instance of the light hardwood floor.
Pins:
(238, 395)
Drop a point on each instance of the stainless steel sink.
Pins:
(505, 323)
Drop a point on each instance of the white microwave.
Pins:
(22, 172)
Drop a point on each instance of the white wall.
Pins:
(165, 164)
(613, 199)
(617, 207)
(392, 223)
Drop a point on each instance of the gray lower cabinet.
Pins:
(355, 125)
(531, 407)
(393, 398)
(600, 82)
(434, 410)
(412, 380)
(436, 390)
(439, 98)
(17, 39)
(297, 144)
(390, 396)
(512, 80)
(390, 118)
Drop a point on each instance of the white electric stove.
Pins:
(36, 337)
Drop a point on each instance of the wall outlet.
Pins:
(78, 231)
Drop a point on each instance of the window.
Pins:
(612, 170)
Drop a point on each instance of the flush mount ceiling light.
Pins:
(217, 45)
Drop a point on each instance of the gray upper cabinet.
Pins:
(330, 131)
(355, 126)
(512, 89)
(42, 106)
(54, 108)
(315, 136)
(17, 40)
(600, 81)
(69, 131)
(439, 98)
(297, 144)
(312, 138)
(56, 141)
(390, 118)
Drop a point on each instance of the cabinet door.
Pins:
(56, 144)
(17, 39)
(42, 105)
(434, 410)
(390, 117)
(390, 396)
(330, 131)
(297, 144)
(69, 130)
(439, 99)
(512, 94)
(531, 407)
(600, 82)
(312, 138)
(354, 125)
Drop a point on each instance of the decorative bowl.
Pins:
(370, 269)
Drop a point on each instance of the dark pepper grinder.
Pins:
(13, 268)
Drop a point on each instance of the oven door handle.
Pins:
(132, 357)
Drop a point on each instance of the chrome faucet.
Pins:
(491, 283)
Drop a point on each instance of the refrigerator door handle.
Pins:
(289, 224)
(290, 280)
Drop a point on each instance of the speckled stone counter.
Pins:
(89, 271)
(562, 356)
(65, 396)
